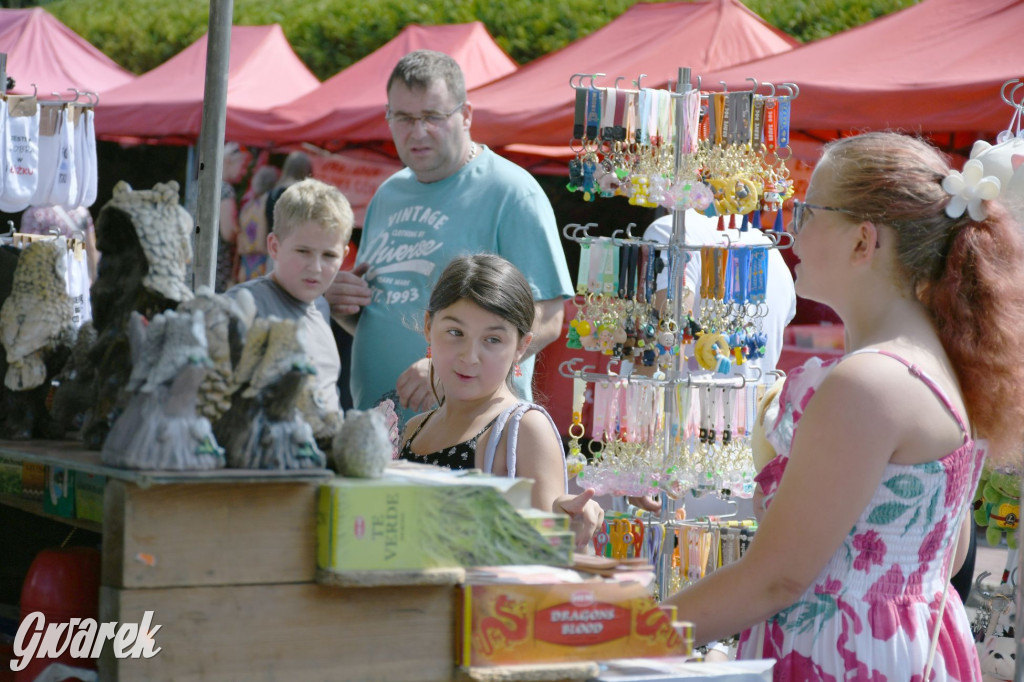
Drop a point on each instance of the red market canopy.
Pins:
(166, 104)
(43, 51)
(355, 98)
(937, 66)
(535, 105)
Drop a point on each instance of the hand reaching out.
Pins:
(647, 503)
(586, 515)
(413, 387)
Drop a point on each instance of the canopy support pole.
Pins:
(211, 143)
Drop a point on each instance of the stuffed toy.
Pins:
(997, 506)
(998, 658)
(1005, 161)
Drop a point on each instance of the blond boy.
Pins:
(312, 226)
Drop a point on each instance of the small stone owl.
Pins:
(362, 448)
(37, 317)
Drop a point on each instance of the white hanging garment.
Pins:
(3, 145)
(78, 281)
(85, 158)
(65, 182)
(49, 154)
(20, 142)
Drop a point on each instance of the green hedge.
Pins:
(329, 35)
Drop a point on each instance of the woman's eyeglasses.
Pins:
(431, 120)
(800, 216)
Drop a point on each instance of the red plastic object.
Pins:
(63, 584)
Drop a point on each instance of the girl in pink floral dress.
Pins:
(879, 452)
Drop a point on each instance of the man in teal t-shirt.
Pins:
(455, 196)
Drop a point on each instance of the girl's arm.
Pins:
(228, 220)
(843, 442)
(539, 456)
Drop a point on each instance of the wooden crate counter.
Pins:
(226, 560)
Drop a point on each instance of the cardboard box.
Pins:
(33, 480)
(514, 622)
(400, 523)
(546, 522)
(89, 496)
(563, 542)
(59, 498)
(10, 476)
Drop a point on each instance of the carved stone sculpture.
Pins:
(264, 428)
(160, 427)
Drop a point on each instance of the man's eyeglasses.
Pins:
(800, 216)
(431, 120)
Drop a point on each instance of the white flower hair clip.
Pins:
(968, 189)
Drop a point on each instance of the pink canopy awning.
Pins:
(933, 67)
(355, 98)
(166, 104)
(44, 52)
(535, 105)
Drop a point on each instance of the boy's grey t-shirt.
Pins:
(315, 329)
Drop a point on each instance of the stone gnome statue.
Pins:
(160, 427)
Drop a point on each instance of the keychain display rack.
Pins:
(661, 425)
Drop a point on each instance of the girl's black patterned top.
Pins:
(459, 456)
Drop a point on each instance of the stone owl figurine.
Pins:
(143, 236)
(37, 317)
(164, 229)
(264, 429)
(226, 319)
(160, 428)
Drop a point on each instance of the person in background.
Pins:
(879, 452)
(455, 196)
(253, 228)
(780, 294)
(69, 222)
(235, 161)
(297, 166)
(478, 326)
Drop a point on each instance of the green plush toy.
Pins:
(997, 506)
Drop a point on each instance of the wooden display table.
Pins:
(226, 560)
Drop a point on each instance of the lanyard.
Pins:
(741, 258)
(579, 114)
(771, 124)
(784, 110)
(609, 268)
(593, 112)
(758, 274)
(583, 273)
(757, 125)
(690, 109)
(608, 115)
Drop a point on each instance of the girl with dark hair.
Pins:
(880, 451)
(477, 325)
